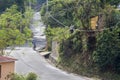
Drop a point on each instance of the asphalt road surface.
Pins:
(31, 61)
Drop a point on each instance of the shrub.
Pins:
(31, 76)
(107, 53)
(15, 77)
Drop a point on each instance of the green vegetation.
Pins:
(30, 76)
(14, 27)
(41, 1)
(77, 13)
(107, 53)
(90, 52)
(58, 34)
(20, 3)
(55, 8)
(8, 3)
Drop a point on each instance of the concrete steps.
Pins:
(45, 54)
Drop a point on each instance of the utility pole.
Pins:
(47, 6)
(47, 11)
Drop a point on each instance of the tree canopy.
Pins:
(98, 48)
(20, 3)
(14, 27)
(76, 12)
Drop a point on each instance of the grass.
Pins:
(70, 65)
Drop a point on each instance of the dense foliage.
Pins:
(111, 2)
(14, 27)
(30, 76)
(20, 3)
(72, 45)
(58, 34)
(78, 12)
(107, 54)
(86, 48)
(57, 11)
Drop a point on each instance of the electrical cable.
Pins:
(78, 29)
(56, 20)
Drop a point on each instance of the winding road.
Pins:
(31, 61)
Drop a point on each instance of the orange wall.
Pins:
(6, 68)
(94, 22)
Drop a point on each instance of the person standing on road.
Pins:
(71, 28)
(34, 44)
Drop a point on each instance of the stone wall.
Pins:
(55, 52)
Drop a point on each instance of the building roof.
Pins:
(6, 59)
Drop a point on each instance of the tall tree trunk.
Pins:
(2, 51)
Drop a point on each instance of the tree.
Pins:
(7, 3)
(12, 28)
(79, 13)
(112, 2)
(107, 53)
(59, 9)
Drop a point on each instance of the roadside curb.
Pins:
(48, 55)
(53, 59)
(45, 54)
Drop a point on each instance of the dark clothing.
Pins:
(71, 31)
(34, 44)
(71, 28)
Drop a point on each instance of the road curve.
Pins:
(31, 61)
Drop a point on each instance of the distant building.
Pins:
(6, 66)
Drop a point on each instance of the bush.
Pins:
(57, 34)
(31, 76)
(15, 77)
(72, 45)
(107, 53)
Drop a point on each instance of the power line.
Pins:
(96, 30)
(53, 17)
(56, 20)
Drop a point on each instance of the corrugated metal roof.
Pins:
(6, 59)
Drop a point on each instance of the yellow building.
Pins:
(6, 66)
